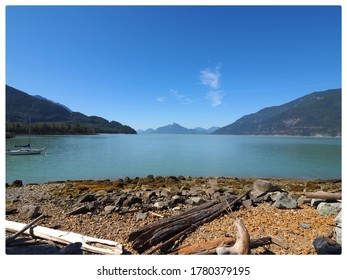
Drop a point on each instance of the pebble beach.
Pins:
(112, 209)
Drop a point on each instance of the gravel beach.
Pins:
(113, 209)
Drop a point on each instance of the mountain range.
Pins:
(178, 129)
(50, 117)
(315, 114)
(318, 113)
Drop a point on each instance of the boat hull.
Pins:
(22, 152)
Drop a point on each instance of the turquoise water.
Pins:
(116, 156)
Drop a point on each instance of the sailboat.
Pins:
(26, 149)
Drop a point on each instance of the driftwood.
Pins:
(323, 195)
(242, 244)
(209, 247)
(90, 244)
(43, 248)
(164, 233)
(11, 238)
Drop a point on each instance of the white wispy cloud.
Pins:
(183, 99)
(161, 99)
(211, 78)
(215, 97)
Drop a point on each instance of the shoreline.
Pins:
(113, 209)
(289, 183)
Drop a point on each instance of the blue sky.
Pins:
(149, 66)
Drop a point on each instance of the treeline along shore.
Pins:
(284, 213)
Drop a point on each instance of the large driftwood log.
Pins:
(44, 249)
(11, 238)
(163, 234)
(323, 195)
(90, 244)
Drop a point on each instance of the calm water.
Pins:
(117, 156)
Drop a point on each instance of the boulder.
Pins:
(261, 188)
(327, 209)
(286, 201)
(29, 211)
(119, 200)
(326, 246)
(17, 183)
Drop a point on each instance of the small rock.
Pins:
(286, 201)
(326, 246)
(141, 216)
(305, 225)
(93, 205)
(197, 200)
(315, 202)
(165, 193)
(10, 210)
(196, 191)
(303, 200)
(29, 211)
(109, 209)
(160, 205)
(79, 210)
(327, 209)
(86, 198)
(338, 218)
(247, 202)
(132, 200)
(338, 228)
(177, 199)
(185, 188)
(149, 194)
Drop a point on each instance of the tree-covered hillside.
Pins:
(318, 113)
(48, 117)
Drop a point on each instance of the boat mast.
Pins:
(29, 132)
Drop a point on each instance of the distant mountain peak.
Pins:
(176, 128)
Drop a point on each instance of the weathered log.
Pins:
(90, 244)
(165, 222)
(209, 247)
(167, 231)
(44, 249)
(242, 244)
(323, 195)
(11, 238)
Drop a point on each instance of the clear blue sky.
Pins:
(148, 66)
